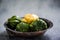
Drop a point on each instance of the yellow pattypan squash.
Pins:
(30, 18)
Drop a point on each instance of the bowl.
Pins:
(28, 34)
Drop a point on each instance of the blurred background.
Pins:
(49, 9)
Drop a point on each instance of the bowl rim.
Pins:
(50, 22)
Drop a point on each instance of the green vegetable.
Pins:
(22, 27)
(38, 25)
(13, 21)
(33, 26)
(14, 18)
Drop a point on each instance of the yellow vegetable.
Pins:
(29, 18)
(24, 20)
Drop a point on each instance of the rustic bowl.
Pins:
(28, 34)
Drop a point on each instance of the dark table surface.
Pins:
(49, 9)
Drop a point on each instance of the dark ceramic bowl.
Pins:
(28, 34)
